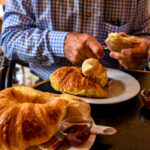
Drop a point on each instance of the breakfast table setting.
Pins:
(90, 107)
(125, 111)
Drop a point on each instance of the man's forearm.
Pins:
(33, 45)
(22, 38)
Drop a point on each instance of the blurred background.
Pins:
(22, 75)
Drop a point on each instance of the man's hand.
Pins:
(132, 57)
(80, 46)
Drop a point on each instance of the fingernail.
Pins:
(111, 55)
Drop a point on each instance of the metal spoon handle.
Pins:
(134, 43)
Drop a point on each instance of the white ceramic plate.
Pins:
(85, 146)
(122, 88)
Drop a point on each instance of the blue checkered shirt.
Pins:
(34, 30)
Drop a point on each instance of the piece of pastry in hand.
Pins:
(115, 42)
(71, 80)
(29, 117)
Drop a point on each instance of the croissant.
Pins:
(29, 117)
(93, 69)
(116, 42)
(71, 80)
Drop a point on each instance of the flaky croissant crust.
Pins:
(72, 81)
(115, 42)
(29, 117)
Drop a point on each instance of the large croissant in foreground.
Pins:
(71, 80)
(29, 117)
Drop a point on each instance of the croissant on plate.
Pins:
(93, 69)
(29, 117)
(71, 80)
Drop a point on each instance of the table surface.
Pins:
(130, 118)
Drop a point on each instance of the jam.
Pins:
(109, 79)
(146, 97)
(77, 134)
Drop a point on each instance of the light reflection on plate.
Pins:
(122, 88)
(85, 146)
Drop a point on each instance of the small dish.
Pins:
(76, 130)
(145, 93)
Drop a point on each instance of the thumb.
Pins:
(96, 48)
(123, 34)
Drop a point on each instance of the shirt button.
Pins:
(88, 14)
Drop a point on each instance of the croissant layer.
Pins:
(30, 117)
(71, 80)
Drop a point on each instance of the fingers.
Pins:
(90, 54)
(121, 58)
(132, 57)
(123, 34)
(127, 62)
(118, 56)
(125, 58)
(79, 54)
(84, 54)
(139, 51)
(96, 48)
(80, 46)
(131, 53)
(132, 64)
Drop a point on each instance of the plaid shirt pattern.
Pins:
(34, 30)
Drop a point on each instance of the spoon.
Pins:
(76, 131)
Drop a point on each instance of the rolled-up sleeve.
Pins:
(22, 39)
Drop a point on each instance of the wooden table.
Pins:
(130, 118)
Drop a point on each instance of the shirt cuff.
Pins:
(57, 39)
(142, 65)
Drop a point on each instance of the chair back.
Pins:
(7, 68)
